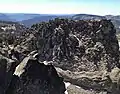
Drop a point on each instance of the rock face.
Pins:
(82, 53)
(87, 51)
(32, 77)
(29, 77)
(78, 45)
(96, 82)
(7, 68)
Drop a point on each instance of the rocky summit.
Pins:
(78, 45)
(61, 56)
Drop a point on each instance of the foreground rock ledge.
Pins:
(99, 81)
(32, 77)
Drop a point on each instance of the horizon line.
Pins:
(55, 13)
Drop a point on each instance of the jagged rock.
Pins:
(78, 45)
(33, 77)
(86, 51)
(7, 67)
(27, 45)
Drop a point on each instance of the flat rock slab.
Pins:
(100, 81)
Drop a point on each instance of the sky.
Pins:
(97, 7)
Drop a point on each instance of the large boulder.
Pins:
(33, 77)
(7, 68)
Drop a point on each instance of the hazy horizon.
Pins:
(95, 7)
(55, 14)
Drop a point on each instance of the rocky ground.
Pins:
(62, 57)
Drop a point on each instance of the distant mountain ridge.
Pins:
(4, 17)
(16, 16)
(30, 19)
(42, 18)
(115, 19)
(87, 17)
(21, 16)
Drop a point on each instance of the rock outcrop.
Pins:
(7, 68)
(94, 82)
(33, 77)
(78, 45)
(86, 51)
(82, 53)
(29, 77)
